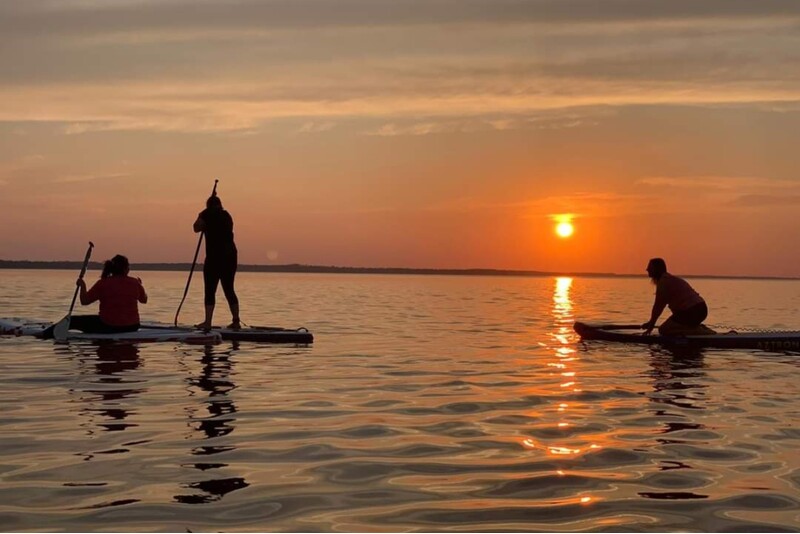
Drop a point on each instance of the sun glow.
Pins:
(564, 229)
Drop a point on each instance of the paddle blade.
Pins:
(61, 329)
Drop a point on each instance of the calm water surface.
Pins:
(427, 403)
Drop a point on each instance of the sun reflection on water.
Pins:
(565, 365)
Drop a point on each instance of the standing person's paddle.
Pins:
(62, 327)
(194, 262)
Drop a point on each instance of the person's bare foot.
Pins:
(235, 325)
(203, 326)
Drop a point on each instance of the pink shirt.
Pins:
(118, 296)
(676, 293)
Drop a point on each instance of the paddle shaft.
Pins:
(80, 277)
(194, 262)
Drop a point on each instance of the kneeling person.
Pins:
(688, 308)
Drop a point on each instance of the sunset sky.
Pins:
(406, 133)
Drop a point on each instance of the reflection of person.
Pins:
(221, 259)
(215, 379)
(119, 295)
(113, 398)
(688, 308)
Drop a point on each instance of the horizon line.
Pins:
(333, 269)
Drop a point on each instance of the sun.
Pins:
(564, 229)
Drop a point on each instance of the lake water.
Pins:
(426, 403)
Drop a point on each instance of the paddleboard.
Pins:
(255, 334)
(772, 341)
(16, 326)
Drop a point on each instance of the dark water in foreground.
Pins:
(427, 403)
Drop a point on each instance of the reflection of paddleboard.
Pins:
(16, 326)
(774, 341)
(257, 334)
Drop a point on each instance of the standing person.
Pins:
(688, 308)
(119, 295)
(221, 259)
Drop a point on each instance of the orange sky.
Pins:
(414, 133)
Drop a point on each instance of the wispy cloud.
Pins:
(765, 201)
(419, 65)
(316, 127)
(542, 120)
(69, 16)
(578, 205)
(731, 191)
(719, 182)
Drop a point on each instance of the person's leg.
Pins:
(693, 316)
(121, 329)
(670, 327)
(702, 312)
(227, 281)
(210, 281)
(89, 324)
(83, 323)
(686, 322)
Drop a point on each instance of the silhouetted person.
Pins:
(688, 308)
(221, 259)
(119, 295)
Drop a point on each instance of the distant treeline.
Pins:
(298, 268)
(290, 268)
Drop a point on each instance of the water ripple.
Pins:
(425, 404)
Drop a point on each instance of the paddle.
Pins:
(62, 327)
(194, 262)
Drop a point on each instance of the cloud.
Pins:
(80, 16)
(731, 191)
(577, 205)
(541, 120)
(247, 104)
(736, 183)
(765, 201)
(316, 127)
(420, 66)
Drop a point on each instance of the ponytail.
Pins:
(107, 268)
(116, 266)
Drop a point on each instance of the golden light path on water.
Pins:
(565, 363)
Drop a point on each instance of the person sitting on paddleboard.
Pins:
(119, 295)
(221, 259)
(687, 306)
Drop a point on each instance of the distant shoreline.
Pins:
(329, 269)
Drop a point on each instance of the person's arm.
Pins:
(658, 307)
(87, 297)
(142, 292)
(199, 224)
